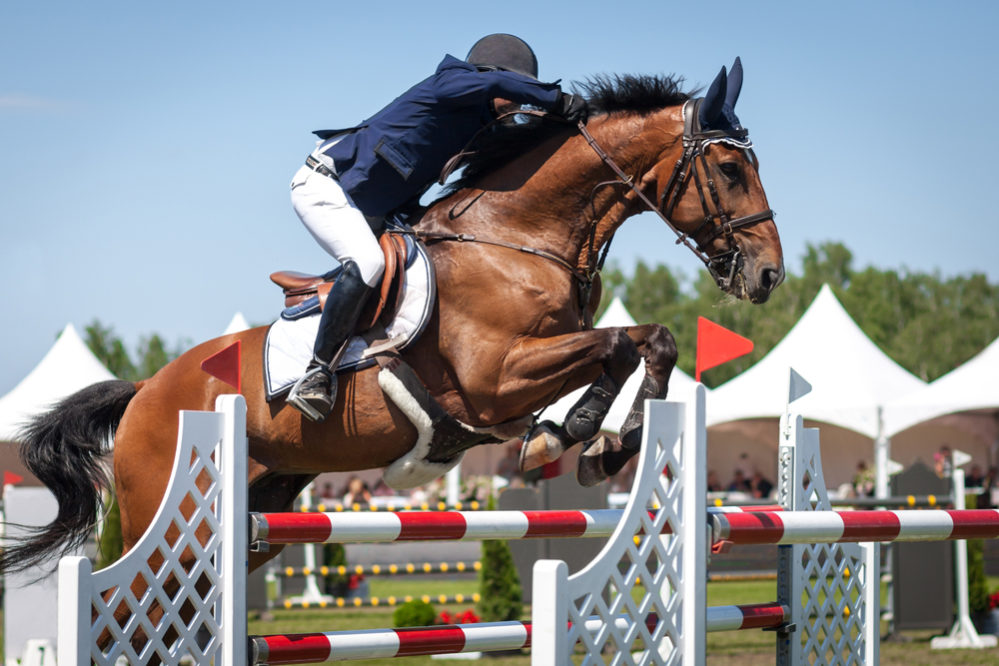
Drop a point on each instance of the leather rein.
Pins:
(722, 266)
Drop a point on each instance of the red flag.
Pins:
(11, 479)
(225, 365)
(716, 345)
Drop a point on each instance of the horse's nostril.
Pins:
(771, 278)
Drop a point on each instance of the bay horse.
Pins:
(516, 245)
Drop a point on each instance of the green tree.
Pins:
(110, 350)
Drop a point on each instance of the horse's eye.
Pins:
(730, 169)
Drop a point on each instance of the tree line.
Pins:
(927, 323)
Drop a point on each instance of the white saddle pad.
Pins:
(291, 338)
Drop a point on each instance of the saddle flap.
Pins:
(299, 287)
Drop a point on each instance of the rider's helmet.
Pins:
(503, 51)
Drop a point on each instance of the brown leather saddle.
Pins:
(299, 287)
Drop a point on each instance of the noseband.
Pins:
(723, 266)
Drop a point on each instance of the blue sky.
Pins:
(146, 148)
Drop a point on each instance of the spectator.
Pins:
(863, 480)
(714, 485)
(975, 478)
(357, 492)
(942, 461)
(760, 486)
(739, 483)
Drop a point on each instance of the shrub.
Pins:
(415, 613)
(500, 597)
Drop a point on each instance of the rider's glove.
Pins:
(573, 108)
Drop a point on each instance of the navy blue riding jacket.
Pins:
(394, 156)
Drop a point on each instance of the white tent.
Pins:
(617, 315)
(851, 377)
(237, 324)
(67, 367)
(960, 409)
(971, 386)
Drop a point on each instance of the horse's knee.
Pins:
(622, 355)
(660, 352)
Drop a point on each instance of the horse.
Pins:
(516, 243)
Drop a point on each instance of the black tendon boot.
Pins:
(315, 393)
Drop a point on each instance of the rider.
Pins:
(386, 163)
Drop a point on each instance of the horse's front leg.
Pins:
(537, 371)
(606, 357)
(605, 457)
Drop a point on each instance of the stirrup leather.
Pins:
(308, 398)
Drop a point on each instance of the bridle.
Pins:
(724, 265)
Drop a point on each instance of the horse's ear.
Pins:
(714, 100)
(734, 83)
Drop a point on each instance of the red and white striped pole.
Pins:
(772, 527)
(454, 638)
(285, 528)
(329, 527)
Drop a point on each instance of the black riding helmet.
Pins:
(503, 51)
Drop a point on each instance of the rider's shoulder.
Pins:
(450, 63)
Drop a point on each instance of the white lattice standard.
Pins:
(647, 585)
(149, 603)
(832, 588)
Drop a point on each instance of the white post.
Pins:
(962, 634)
(696, 549)
(73, 645)
(235, 542)
(872, 603)
(549, 613)
(453, 486)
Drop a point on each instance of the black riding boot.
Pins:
(315, 393)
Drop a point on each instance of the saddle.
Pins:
(299, 287)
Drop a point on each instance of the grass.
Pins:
(737, 648)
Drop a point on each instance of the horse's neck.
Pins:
(561, 197)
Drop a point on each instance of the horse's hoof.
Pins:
(543, 445)
(590, 468)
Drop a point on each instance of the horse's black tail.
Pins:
(64, 449)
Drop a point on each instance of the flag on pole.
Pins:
(716, 345)
(225, 365)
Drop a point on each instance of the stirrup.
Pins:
(318, 407)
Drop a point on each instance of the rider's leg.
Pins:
(341, 229)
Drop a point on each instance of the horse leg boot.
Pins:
(548, 441)
(315, 393)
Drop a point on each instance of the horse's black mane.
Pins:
(621, 93)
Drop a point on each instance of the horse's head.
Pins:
(713, 196)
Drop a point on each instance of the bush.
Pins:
(334, 557)
(415, 613)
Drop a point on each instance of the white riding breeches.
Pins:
(336, 224)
